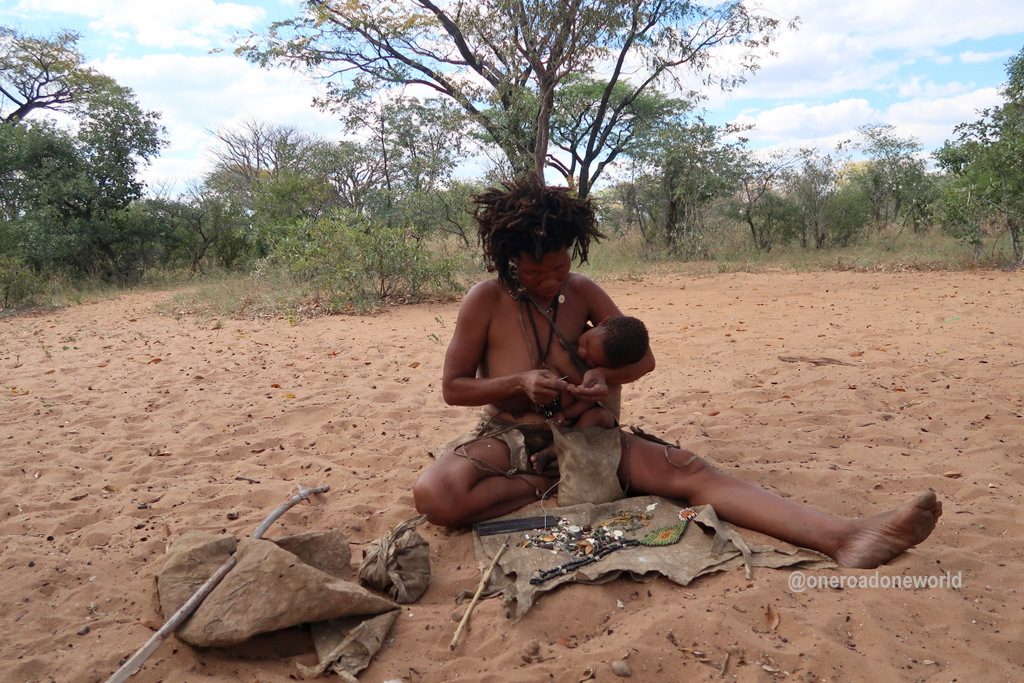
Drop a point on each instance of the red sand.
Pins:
(123, 428)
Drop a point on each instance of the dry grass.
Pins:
(271, 294)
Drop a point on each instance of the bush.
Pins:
(847, 213)
(350, 261)
(18, 284)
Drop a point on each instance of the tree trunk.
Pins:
(540, 150)
(672, 223)
(1015, 228)
(753, 228)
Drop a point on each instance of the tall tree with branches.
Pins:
(504, 61)
(44, 73)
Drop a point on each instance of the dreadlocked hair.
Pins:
(528, 216)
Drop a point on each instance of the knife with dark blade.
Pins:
(507, 526)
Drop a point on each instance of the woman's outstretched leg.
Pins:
(866, 542)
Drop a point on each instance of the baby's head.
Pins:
(614, 343)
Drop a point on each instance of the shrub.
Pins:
(349, 260)
(18, 284)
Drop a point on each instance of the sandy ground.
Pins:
(122, 428)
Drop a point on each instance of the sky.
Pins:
(922, 66)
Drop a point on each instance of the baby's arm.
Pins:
(597, 416)
(574, 410)
(580, 413)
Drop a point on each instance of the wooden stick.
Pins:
(131, 667)
(476, 596)
(284, 507)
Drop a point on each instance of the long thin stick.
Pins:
(131, 667)
(476, 596)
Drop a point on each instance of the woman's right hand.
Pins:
(542, 386)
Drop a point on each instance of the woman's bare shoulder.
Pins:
(479, 303)
(579, 282)
(599, 304)
(486, 291)
(582, 286)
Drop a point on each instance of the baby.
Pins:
(614, 343)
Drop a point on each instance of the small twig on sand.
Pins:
(476, 597)
(815, 361)
(130, 667)
(241, 477)
(467, 594)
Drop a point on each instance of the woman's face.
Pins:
(543, 278)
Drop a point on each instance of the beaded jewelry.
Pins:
(669, 535)
(666, 535)
(586, 545)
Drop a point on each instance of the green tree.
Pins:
(203, 223)
(454, 214)
(44, 73)
(115, 136)
(683, 171)
(812, 187)
(353, 171)
(895, 178)
(986, 162)
(18, 283)
(268, 176)
(417, 141)
(255, 151)
(396, 172)
(699, 167)
(503, 62)
(765, 209)
(636, 120)
(41, 177)
(415, 146)
(67, 198)
(846, 213)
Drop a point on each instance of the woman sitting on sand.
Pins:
(513, 330)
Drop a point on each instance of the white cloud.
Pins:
(201, 24)
(932, 120)
(874, 61)
(801, 124)
(909, 24)
(846, 46)
(199, 94)
(973, 57)
(916, 87)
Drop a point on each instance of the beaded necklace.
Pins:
(542, 353)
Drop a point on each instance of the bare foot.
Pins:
(879, 538)
(544, 461)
